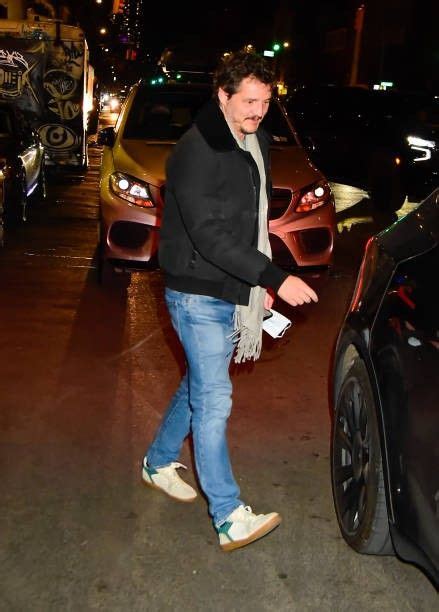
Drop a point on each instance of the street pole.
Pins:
(16, 9)
(358, 27)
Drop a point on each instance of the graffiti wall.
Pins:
(63, 84)
(22, 69)
(45, 78)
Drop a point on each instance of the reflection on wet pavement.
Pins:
(354, 207)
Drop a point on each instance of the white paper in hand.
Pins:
(276, 325)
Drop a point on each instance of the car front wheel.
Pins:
(15, 199)
(356, 466)
(385, 182)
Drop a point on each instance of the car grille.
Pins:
(129, 235)
(314, 240)
(280, 200)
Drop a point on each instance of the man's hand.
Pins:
(268, 300)
(296, 292)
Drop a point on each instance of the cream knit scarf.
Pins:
(248, 319)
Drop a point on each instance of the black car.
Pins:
(21, 166)
(383, 141)
(385, 435)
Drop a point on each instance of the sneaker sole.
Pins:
(260, 533)
(151, 485)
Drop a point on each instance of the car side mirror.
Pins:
(106, 137)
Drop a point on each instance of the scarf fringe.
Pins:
(248, 342)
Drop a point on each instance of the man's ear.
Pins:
(223, 96)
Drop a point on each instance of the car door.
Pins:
(406, 351)
(420, 440)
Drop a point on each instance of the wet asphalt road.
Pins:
(86, 374)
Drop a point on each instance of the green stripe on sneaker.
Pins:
(150, 471)
(224, 529)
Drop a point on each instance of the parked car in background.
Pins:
(21, 166)
(383, 141)
(132, 185)
(385, 451)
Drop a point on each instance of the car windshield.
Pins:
(5, 124)
(404, 107)
(276, 125)
(160, 114)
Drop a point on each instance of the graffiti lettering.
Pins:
(68, 56)
(65, 109)
(11, 83)
(13, 58)
(59, 84)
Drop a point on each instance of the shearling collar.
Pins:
(215, 131)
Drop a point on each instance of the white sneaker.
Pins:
(243, 527)
(167, 480)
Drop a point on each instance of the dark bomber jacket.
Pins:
(209, 230)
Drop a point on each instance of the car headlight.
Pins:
(313, 197)
(114, 104)
(130, 189)
(422, 145)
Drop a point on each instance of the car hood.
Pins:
(415, 233)
(290, 166)
(143, 160)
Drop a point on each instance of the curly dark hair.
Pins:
(238, 66)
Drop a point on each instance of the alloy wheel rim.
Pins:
(351, 452)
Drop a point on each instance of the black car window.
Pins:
(337, 105)
(398, 106)
(159, 114)
(276, 124)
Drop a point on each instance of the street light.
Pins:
(103, 31)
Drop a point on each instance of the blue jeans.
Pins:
(203, 401)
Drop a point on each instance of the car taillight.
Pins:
(314, 196)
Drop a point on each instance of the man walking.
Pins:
(216, 257)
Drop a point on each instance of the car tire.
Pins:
(385, 183)
(15, 206)
(356, 466)
(110, 275)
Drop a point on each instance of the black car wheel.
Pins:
(385, 183)
(356, 466)
(15, 204)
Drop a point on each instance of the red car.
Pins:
(153, 118)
